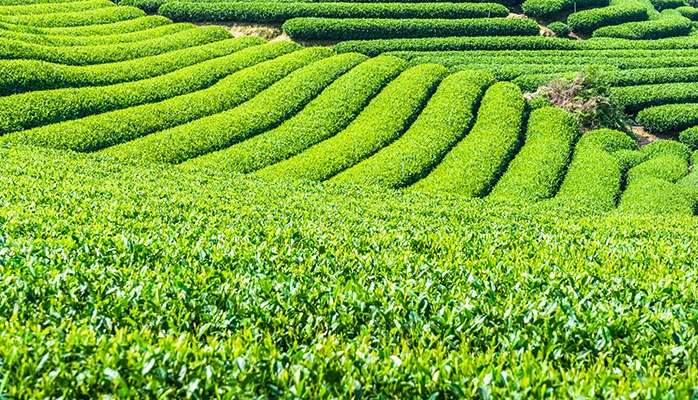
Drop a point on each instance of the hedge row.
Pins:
(689, 137)
(656, 196)
(449, 58)
(49, 40)
(366, 29)
(651, 185)
(25, 2)
(115, 127)
(689, 184)
(672, 25)
(594, 178)
(663, 148)
(321, 119)
(548, 8)
(64, 20)
(375, 47)
(122, 27)
(386, 117)
(29, 110)
(661, 5)
(151, 6)
(263, 112)
(537, 170)
(627, 159)
(688, 12)
(670, 117)
(265, 12)
(473, 166)
(48, 8)
(588, 21)
(447, 117)
(670, 168)
(19, 76)
(508, 72)
(636, 98)
(87, 55)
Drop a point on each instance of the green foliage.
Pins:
(385, 118)
(265, 111)
(661, 148)
(593, 179)
(181, 285)
(85, 55)
(670, 117)
(655, 196)
(26, 2)
(47, 8)
(447, 117)
(265, 12)
(66, 40)
(661, 5)
(688, 12)
(628, 159)
(104, 15)
(548, 8)
(321, 119)
(560, 29)
(352, 29)
(152, 6)
(636, 98)
(671, 25)
(537, 170)
(29, 110)
(473, 166)
(107, 129)
(18, 76)
(121, 27)
(587, 21)
(689, 137)
(669, 168)
(376, 47)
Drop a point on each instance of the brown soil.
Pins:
(644, 137)
(270, 32)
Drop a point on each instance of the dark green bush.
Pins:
(588, 21)
(548, 8)
(352, 29)
(661, 5)
(265, 12)
(560, 29)
(107, 29)
(688, 12)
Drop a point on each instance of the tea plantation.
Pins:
(388, 200)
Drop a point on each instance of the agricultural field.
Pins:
(367, 199)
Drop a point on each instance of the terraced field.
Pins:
(189, 213)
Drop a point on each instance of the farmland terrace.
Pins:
(361, 199)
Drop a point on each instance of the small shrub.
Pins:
(560, 29)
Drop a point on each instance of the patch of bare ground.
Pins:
(644, 137)
(270, 32)
(264, 31)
